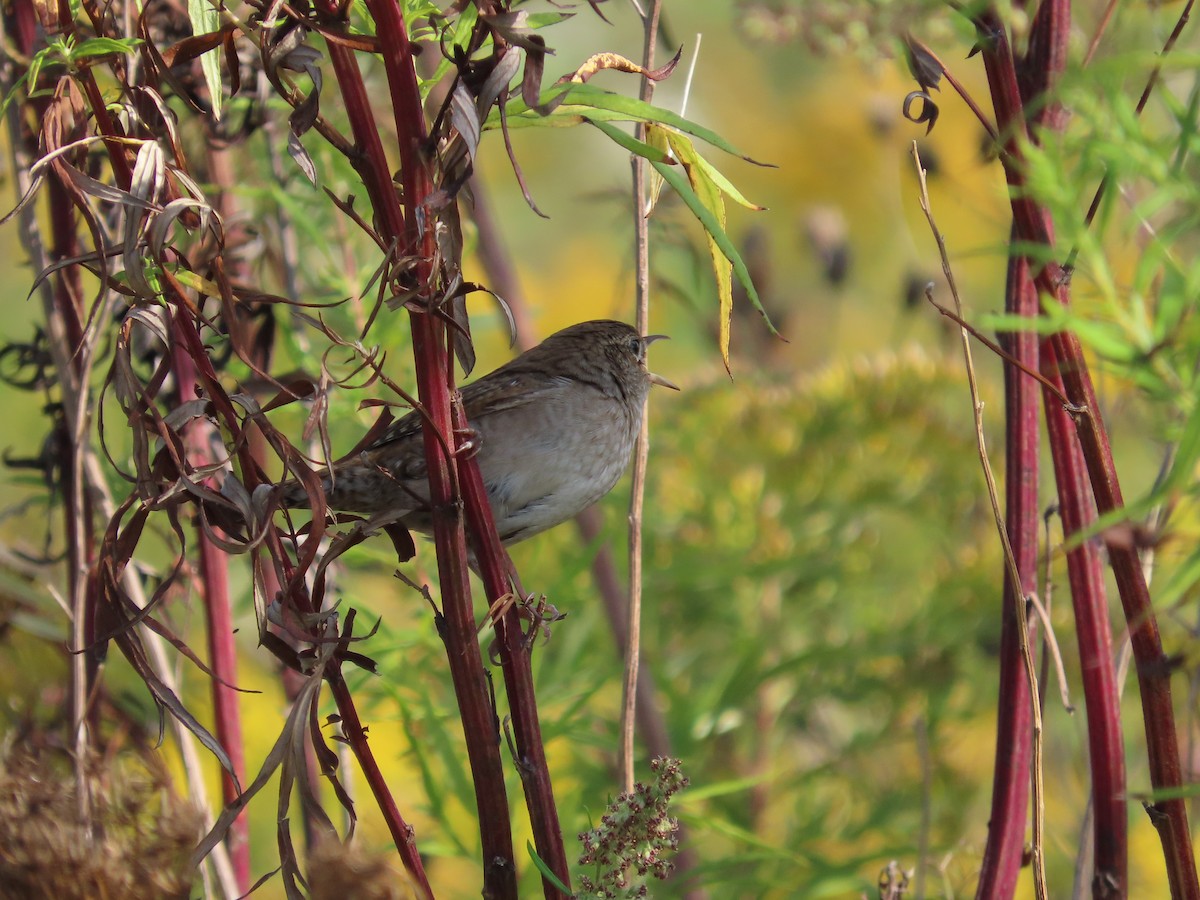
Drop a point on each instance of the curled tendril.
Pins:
(27, 366)
(928, 112)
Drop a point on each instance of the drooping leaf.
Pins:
(590, 102)
(206, 20)
(709, 195)
(712, 223)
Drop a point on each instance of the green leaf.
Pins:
(1182, 580)
(676, 179)
(1187, 451)
(545, 869)
(102, 46)
(205, 19)
(633, 145)
(589, 102)
(12, 92)
(639, 110)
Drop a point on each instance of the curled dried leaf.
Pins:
(928, 112)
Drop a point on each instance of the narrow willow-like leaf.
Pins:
(545, 869)
(679, 182)
(656, 138)
(582, 100)
(1187, 451)
(633, 145)
(205, 19)
(709, 194)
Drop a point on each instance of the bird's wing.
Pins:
(481, 400)
(495, 394)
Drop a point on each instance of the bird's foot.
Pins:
(541, 616)
(468, 442)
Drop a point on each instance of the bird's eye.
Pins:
(637, 347)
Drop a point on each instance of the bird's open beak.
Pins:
(658, 379)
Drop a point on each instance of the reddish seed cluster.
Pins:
(636, 833)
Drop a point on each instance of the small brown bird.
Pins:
(554, 430)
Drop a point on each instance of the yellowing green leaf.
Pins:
(709, 195)
(656, 137)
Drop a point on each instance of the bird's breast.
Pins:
(546, 462)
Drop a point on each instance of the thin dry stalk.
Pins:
(156, 646)
(642, 450)
(1038, 846)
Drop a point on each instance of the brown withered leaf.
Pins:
(195, 46)
(328, 762)
(599, 62)
(925, 67)
(163, 631)
(402, 541)
(531, 80)
(465, 119)
(504, 69)
(512, 159)
(166, 699)
(290, 741)
(514, 28)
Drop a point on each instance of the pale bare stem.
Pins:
(1085, 854)
(30, 236)
(193, 767)
(641, 453)
(79, 408)
(691, 75)
(81, 694)
(1051, 642)
(1100, 29)
(1039, 811)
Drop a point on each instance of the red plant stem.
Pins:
(1014, 727)
(355, 734)
(106, 126)
(433, 362)
(414, 236)
(222, 650)
(1038, 70)
(518, 681)
(502, 278)
(434, 370)
(1169, 815)
(1043, 64)
(1153, 668)
(1106, 753)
